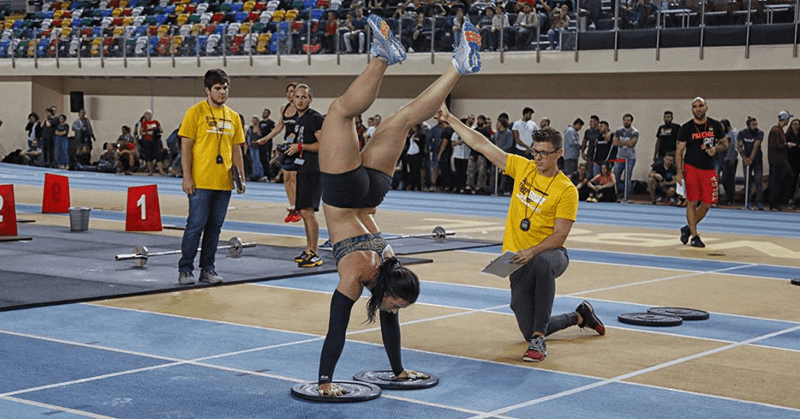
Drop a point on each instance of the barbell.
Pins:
(439, 234)
(141, 254)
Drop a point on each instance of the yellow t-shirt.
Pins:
(545, 200)
(214, 132)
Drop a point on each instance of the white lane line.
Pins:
(622, 377)
(652, 281)
(56, 408)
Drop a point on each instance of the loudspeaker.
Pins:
(75, 101)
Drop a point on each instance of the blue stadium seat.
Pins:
(317, 14)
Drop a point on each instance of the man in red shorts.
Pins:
(701, 139)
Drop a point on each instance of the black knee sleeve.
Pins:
(390, 330)
(334, 341)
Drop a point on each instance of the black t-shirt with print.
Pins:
(305, 132)
(698, 138)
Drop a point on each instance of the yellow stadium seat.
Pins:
(248, 6)
(245, 29)
(182, 19)
(278, 16)
(66, 23)
(118, 31)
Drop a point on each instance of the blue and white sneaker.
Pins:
(467, 59)
(384, 43)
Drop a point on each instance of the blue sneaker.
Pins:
(466, 58)
(384, 43)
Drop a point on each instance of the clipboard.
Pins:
(680, 188)
(502, 265)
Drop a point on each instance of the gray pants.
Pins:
(533, 288)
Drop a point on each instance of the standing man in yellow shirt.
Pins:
(543, 208)
(211, 133)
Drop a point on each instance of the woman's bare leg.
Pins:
(338, 149)
(386, 145)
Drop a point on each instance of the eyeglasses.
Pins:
(542, 154)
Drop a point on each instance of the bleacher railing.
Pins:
(742, 23)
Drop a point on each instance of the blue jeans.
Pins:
(258, 169)
(207, 210)
(62, 150)
(618, 168)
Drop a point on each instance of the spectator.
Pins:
(445, 159)
(500, 23)
(414, 156)
(558, 26)
(108, 159)
(376, 120)
(251, 138)
(526, 27)
(572, 147)
(729, 163)
(504, 140)
(126, 155)
(588, 146)
(150, 132)
(33, 155)
(458, 22)
(461, 152)
(625, 138)
(793, 137)
(781, 187)
(523, 131)
(488, 31)
(752, 159)
(48, 133)
(84, 134)
(418, 40)
(478, 167)
(604, 185)
(432, 147)
(544, 123)
(661, 181)
(330, 38)
(354, 28)
(61, 142)
(581, 181)
(83, 156)
(34, 129)
(266, 125)
(666, 134)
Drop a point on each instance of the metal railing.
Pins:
(310, 37)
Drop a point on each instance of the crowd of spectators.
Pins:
(116, 28)
(598, 160)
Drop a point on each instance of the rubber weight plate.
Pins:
(683, 313)
(385, 379)
(796, 281)
(356, 392)
(650, 319)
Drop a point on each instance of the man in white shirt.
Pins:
(523, 133)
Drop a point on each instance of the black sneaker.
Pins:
(311, 261)
(590, 320)
(302, 256)
(685, 233)
(696, 242)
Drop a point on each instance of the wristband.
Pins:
(299, 146)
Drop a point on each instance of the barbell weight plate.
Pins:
(796, 281)
(650, 319)
(385, 379)
(683, 313)
(236, 247)
(140, 250)
(439, 234)
(356, 392)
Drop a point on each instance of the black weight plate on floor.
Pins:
(684, 313)
(385, 379)
(649, 319)
(796, 281)
(356, 392)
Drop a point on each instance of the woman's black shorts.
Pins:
(359, 188)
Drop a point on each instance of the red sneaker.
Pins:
(537, 350)
(289, 217)
(296, 217)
